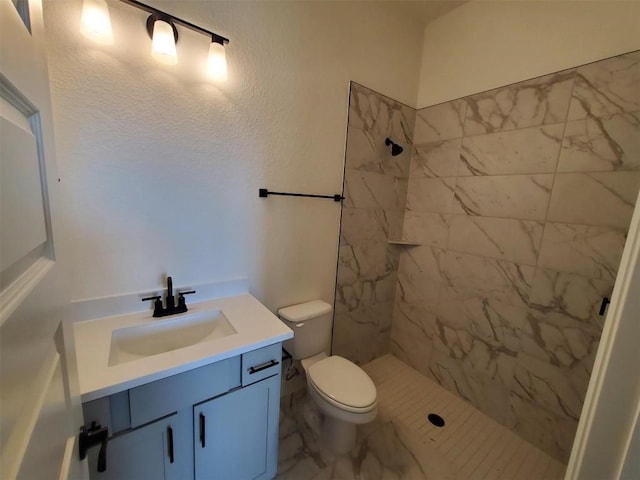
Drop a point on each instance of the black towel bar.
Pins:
(263, 192)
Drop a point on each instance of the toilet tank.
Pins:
(311, 324)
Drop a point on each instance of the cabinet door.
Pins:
(236, 435)
(156, 451)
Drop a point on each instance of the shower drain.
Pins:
(436, 419)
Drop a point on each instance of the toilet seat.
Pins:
(343, 384)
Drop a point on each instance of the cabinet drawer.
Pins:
(261, 363)
(162, 397)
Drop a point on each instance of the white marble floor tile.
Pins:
(401, 444)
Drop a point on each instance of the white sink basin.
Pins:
(167, 334)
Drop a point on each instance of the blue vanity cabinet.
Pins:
(223, 416)
(236, 435)
(160, 450)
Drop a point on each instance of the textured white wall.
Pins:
(485, 44)
(160, 171)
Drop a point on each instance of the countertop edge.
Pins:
(169, 372)
(255, 326)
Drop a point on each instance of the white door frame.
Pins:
(602, 448)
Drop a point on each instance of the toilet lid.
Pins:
(343, 381)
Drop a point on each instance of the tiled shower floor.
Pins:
(402, 444)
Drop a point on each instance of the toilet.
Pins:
(344, 393)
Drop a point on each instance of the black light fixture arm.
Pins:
(166, 16)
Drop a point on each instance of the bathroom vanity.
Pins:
(205, 410)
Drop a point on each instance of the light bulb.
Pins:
(95, 23)
(163, 45)
(217, 63)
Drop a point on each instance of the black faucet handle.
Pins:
(155, 297)
(182, 304)
(157, 305)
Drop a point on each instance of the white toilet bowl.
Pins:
(345, 395)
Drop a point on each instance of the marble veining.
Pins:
(599, 198)
(570, 295)
(363, 334)
(519, 201)
(607, 87)
(593, 252)
(417, 289)
(366, 276)
(529, 150)
(489, 318)
(595, 144)
(511, 196)
(361, 225)
(552, 432)
(412, 333)
(430, 194)
(494, 361)
(511, 281)
(366, 152)
(436, 159)
(540, 101)
(501, 238)
(562, 342)
(544, 384)
(440, 122)
(373, 190)
(536, 190)
(423, 262)
(380, 115)
(563, 324)
(427, 228)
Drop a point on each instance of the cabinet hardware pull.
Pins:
(94, 435)
(603, 305)
(264, 366)
(202, 433)
(170, 442)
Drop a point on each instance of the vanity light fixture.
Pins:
(95, 23)
(164, 37)
(161, 27)
(217, 62)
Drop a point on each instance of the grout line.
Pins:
(484, 447)
(564, 131)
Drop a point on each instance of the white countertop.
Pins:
(256, 327)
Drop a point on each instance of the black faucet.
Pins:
(169, 301)
(171, 308)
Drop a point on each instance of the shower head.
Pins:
(395, 148)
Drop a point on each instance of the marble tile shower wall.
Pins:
(521, 198)
(375, 195)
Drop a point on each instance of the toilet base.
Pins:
(337, 435)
